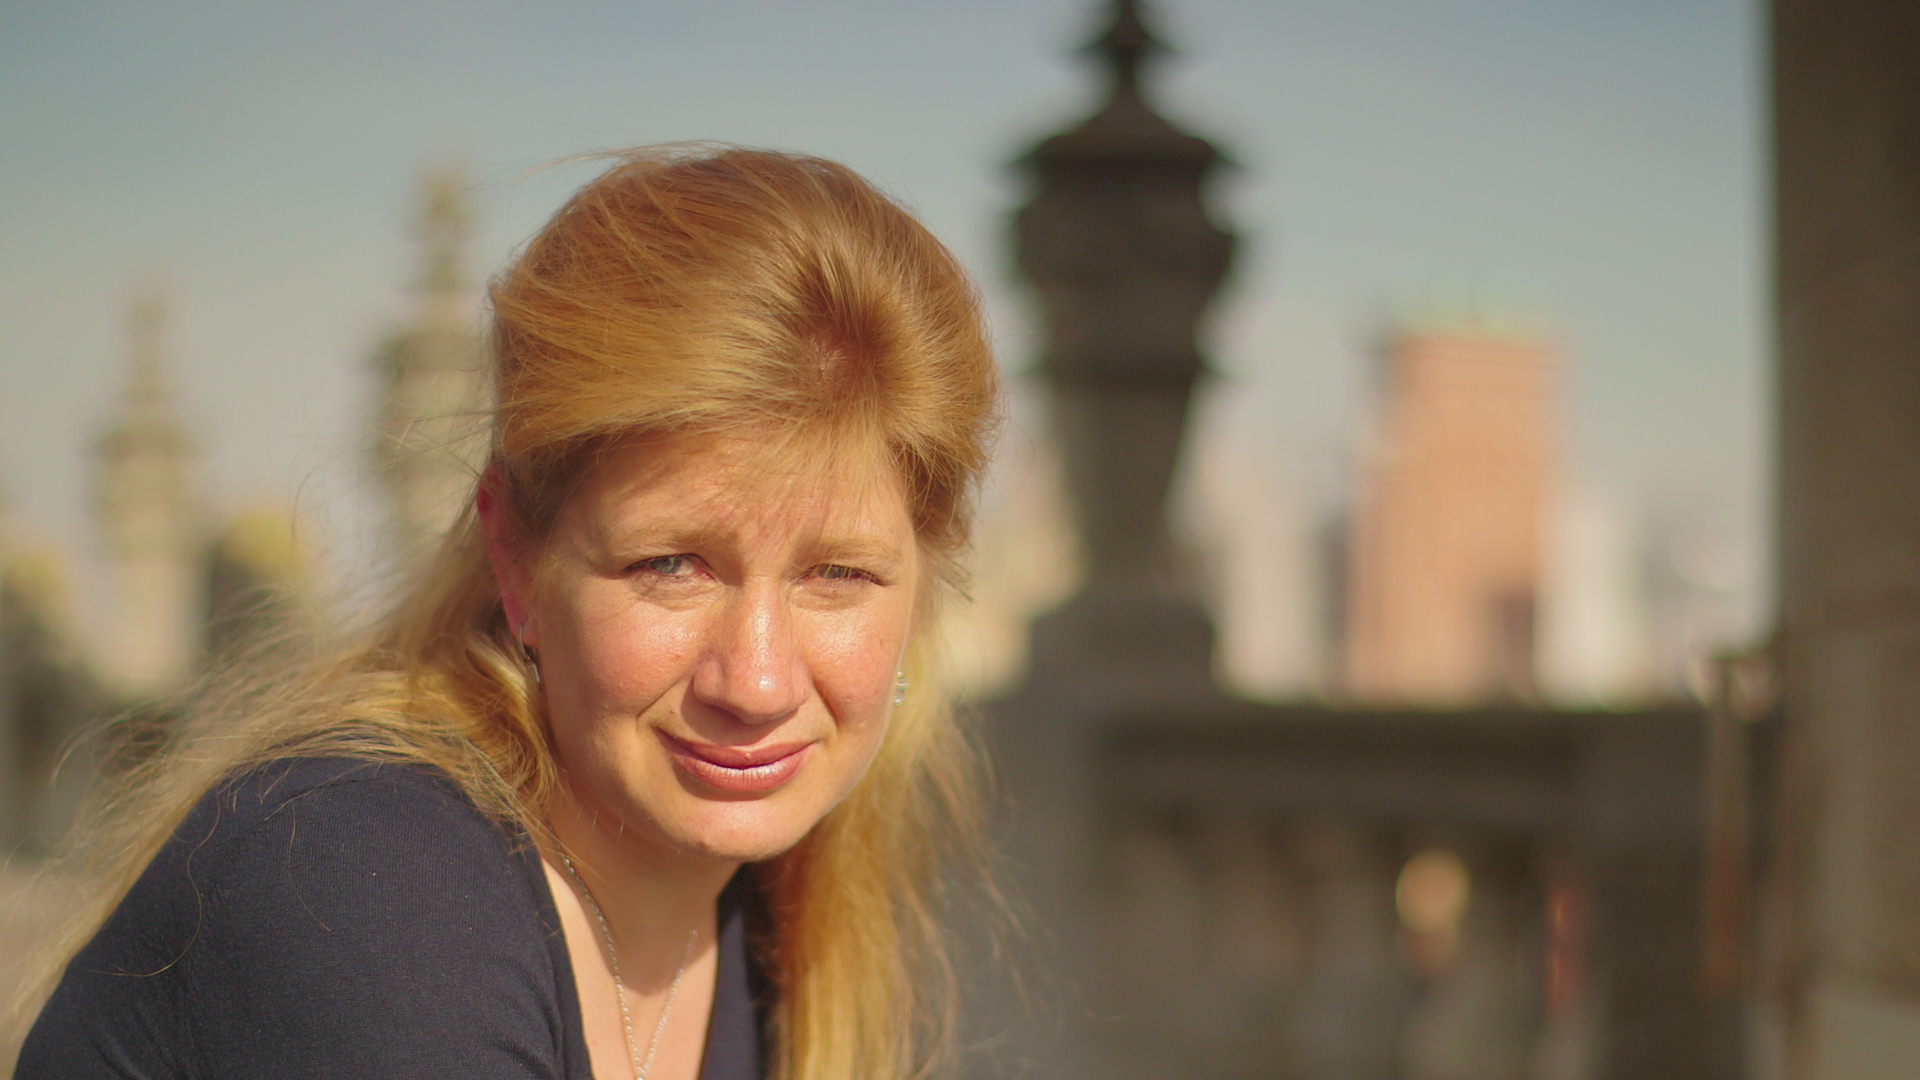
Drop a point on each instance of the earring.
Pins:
(532, 658)
(899, 686)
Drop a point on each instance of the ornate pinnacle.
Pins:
(442, 229)
(1125, 126)
(145, 422)
(1126, 44)
(146, 334)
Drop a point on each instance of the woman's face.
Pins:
(719, 638)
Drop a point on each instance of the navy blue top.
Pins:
(333, 917)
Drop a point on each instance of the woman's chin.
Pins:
(737, 831)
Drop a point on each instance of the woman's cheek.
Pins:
(843, 677)
(632, 654)
(852, 661)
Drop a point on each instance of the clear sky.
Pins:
(1592, 166)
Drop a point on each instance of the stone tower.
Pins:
(149, 526)
(1846, 144)
(1448, 541)
(1123, 259)
(432, 376)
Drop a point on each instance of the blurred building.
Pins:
(181, 588)
(1597, 642)
(1696, 570)
(1256, 545)
(1843, 961)
(431, 426)
(259, 585)
(151, 527)
(1488, 889)
(45, 691)
(1449, 539)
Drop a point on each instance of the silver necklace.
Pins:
(641, 1066)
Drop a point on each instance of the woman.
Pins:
(649, 777)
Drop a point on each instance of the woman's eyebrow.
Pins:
(855, 549)
(624, 536)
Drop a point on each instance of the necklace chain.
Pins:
(641, 1066)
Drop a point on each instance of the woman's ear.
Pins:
(508, 575)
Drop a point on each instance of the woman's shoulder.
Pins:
(335, 784)
(379, 805)
(364, 911)
(305, 828)
(344, 844)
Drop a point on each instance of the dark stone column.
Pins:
(1123, 260)
(1659, 1022)
(1638, 806)
(1847, 144)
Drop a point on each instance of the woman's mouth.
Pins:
(743, 769)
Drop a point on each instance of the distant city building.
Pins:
(150, 526)
(259, 581)
(1699, 578)
(1596, 640)
(179, 589)
(1256, 548)
(1448, 541)
(433, 393)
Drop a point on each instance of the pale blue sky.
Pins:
(1592, 165)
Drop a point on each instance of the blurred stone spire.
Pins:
(443, 231)
(1126, 44)
(432, 381)
(1126, 126)
(1121, 253)
(148, 522)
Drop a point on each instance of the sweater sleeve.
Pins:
(325, 919)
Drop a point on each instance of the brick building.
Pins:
(1448, 542)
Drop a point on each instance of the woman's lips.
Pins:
(740, 769)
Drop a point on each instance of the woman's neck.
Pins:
(655, 898)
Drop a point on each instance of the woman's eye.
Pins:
(836, 572)
(667, 565)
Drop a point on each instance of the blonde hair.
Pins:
(686, 290)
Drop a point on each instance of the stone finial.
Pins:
(1117, 240)
(1125, 129)
(1124, 259)
(1126, 44)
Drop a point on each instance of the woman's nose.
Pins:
(752, 668)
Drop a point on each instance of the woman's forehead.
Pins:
(741, 484)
